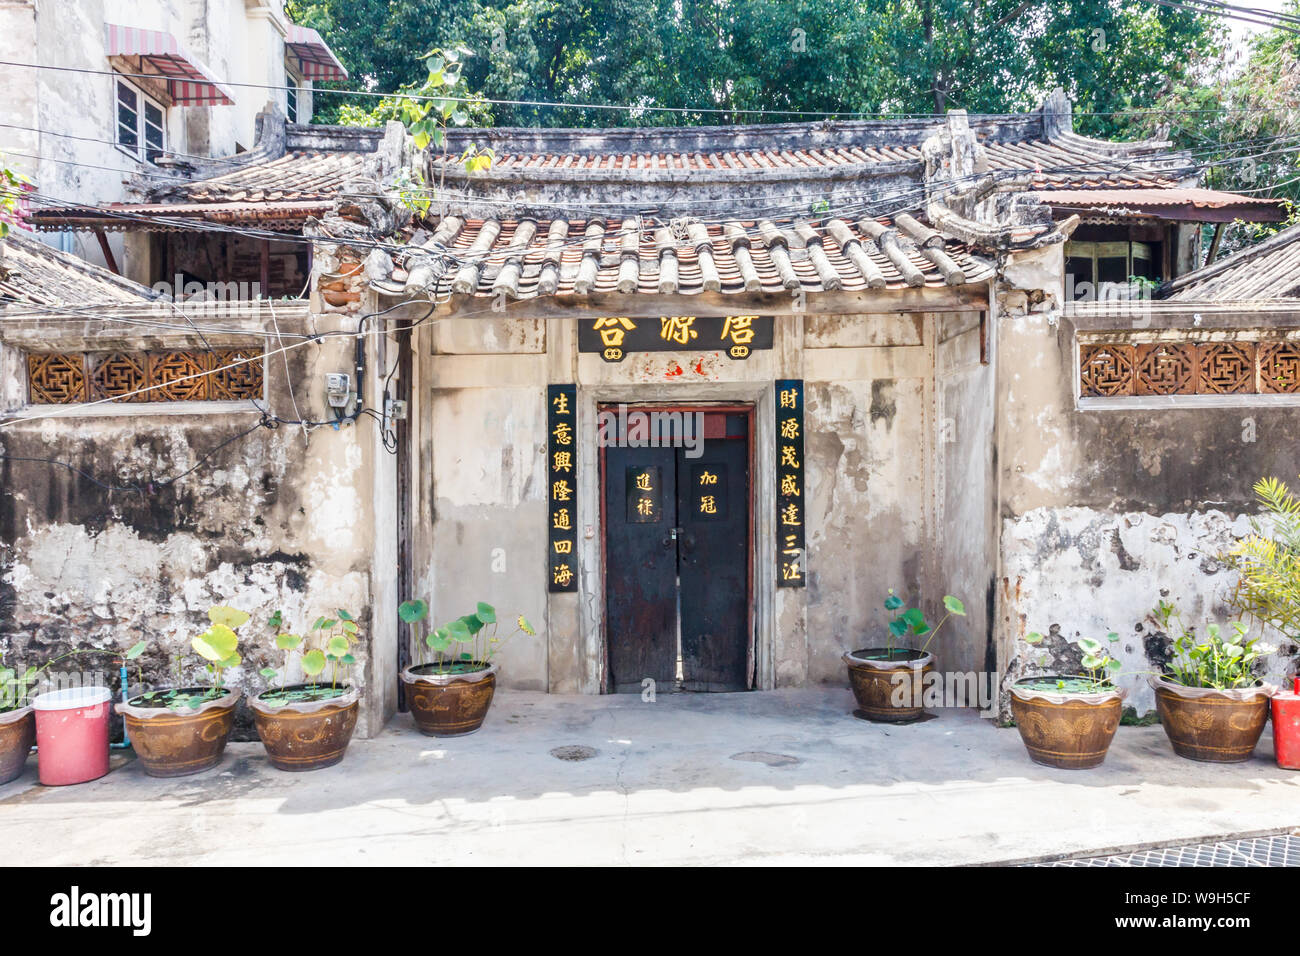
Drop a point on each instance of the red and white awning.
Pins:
(188, 81)
(314, 56)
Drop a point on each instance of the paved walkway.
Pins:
(784, 777)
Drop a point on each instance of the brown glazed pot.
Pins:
(874, 683)
(176, 743)
(1066, 729)
(306, 736)
(449, 705)
(17, 734)
(1214, 726)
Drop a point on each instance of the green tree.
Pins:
(734, 56)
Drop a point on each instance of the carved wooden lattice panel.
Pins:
(1165, 369)
(1226, 368)
(240, 382)
(60, 378)
(1279, 367)
(56, 379)
(181, 376)
(1106, 369)
(119, 375)
(1187, 368)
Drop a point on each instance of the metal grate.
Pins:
(1282, 850)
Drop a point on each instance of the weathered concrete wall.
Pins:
(1105, 511)
(274, 520)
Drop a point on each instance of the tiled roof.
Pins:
(528, 258)
(294, 177)
(36, 274)
(1266, 270)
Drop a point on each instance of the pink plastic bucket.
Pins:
(72, 735)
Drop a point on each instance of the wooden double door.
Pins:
(677, 559)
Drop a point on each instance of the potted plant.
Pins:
(17, 721)
(450, 695)
(887, 681)
(182, 730)
(308, 726)
(1267, 562)
(1069, 722)
(1211, 703)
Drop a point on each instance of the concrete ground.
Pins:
(782, 777)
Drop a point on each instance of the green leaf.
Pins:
(473, 622)
(216, 643)
(893, 602)
(338, 646)
(287, 642)
(898, 627)
(275, 621)
(1033, 637)
(914, 617)
(227, 616)
(269, 673)
(953, 606)
(313, 662)
(486, 613)
(343, 615)
(135, 651)
(439, 640)
(459, 631)
(234, 660)
(1112, 637)
(348, 659)
(350, 627)
(413, 611)
(525, 626)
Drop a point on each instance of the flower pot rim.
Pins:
(15, 715)
(851, 658)
(228, 700)
(71, 698)
(349, 697)
(1064, 696)
(441, 680)
(1239, 694)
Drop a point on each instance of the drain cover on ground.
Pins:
(771, 759)
(574, 752)
(1282, 850)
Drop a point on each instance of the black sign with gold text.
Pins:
(613, 338)
(562, 471)
(790, 553)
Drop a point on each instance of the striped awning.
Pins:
(314, 56)
(188, 81)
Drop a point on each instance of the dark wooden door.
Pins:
(641, 566)
(713, 564)
(677, 562)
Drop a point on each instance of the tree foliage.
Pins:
(734, 56)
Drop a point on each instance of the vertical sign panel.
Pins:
(561, 464)
(790, 555)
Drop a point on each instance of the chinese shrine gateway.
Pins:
(828, 302)
(693, 399)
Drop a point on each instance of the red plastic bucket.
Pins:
(1286, 729)
(72, 735)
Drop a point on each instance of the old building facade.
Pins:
(875, 348)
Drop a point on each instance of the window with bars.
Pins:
(69, 378)
(291, 98)
(141, 124)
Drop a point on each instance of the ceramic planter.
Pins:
(306, 736)
(888, 690)
(175, 743)
(449, 705)
(1218, 726)
(17, 734)
(1071, 730)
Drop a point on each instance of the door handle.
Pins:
(671, 537)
